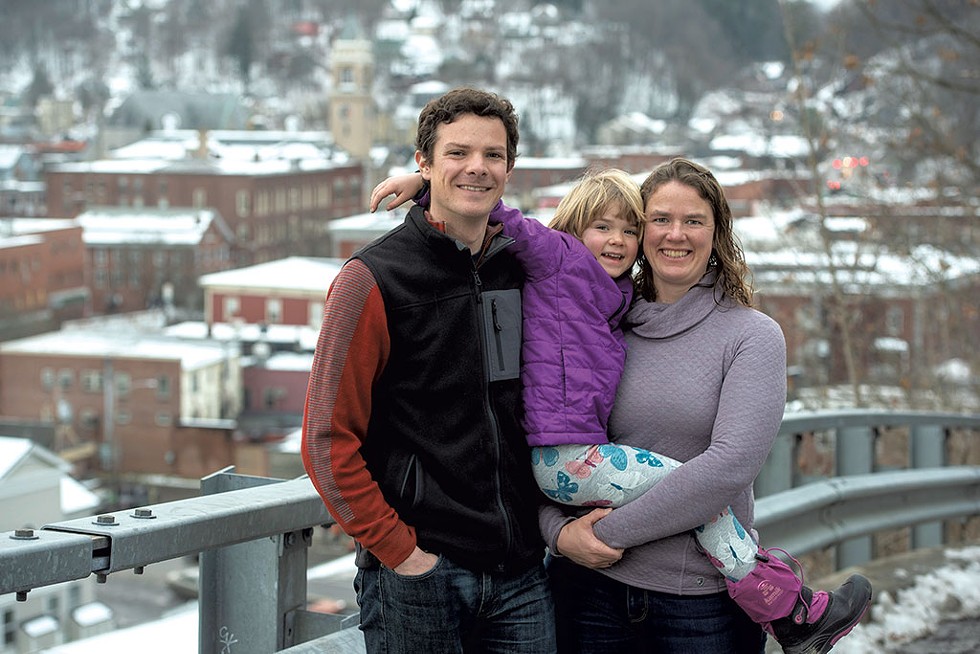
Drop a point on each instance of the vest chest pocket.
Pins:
(502, 327)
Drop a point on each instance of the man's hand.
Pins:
(403, 187)
(578, 542)
(417, 563)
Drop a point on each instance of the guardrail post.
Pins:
(777, 474)
(855, 456)
(247, 589)
(928, 451)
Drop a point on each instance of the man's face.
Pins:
(468, 170)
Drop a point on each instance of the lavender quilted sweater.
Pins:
(704, 384)
(573, 349)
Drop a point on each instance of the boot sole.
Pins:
(847, 629)
(820, 646)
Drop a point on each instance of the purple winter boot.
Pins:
(801, 620)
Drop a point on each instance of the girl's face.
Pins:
(677, 239)
(613, 241)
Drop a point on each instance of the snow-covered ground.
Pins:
(947, 593)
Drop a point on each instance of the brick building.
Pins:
(275, 207)
(908, 314)
(285, 292)
(143, 257)
(42, 265)
(170, 408)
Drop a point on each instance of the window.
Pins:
(242, 203)
(66, 376)
(163, 387)
(9, 628)
(89, 419)
(91, 381)
(74, 596)
(231, 307)
(272, 396)
(199, 198)
(894, 321)
(47, 378)
(124, 383)
(163, 420)
(273, 311)
(123, 417)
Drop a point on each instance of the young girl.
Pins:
(578, 287)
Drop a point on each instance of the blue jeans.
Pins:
(453, 610)
(599, 615)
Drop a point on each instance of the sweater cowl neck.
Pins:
(661, 320)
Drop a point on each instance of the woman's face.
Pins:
(677, 239)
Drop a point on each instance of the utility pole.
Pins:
(107, 450)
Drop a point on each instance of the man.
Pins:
(412, 427)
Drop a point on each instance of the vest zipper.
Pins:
(498, 481)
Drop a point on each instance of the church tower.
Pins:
(352, 119)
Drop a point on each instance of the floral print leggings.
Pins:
(613, 475)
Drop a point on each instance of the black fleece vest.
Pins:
(444, 440)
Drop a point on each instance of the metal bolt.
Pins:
(106, 521)
(143, 513)
(24, 534)
(22, 595)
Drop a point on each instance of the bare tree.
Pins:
(906, 95)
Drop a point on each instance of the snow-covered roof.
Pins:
(758, 145)
(76, 498)
(290, 274)
(120, 345)
(12, 452)
(214, 166)
(550, 163)
(118, 225)
(21, 226)
(10, 155)
(376, 223)
(289, 361)
(303, 336)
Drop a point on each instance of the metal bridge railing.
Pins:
(253, 533)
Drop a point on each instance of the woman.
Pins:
(704, 383)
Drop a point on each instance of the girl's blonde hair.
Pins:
(595, 193)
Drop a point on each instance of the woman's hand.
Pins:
(403, 187)
(577, 541)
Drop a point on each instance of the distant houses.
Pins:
(145, 257)
(37, 488)
(275, 191)
(153, 405)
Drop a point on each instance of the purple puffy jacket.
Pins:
(574, 350)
